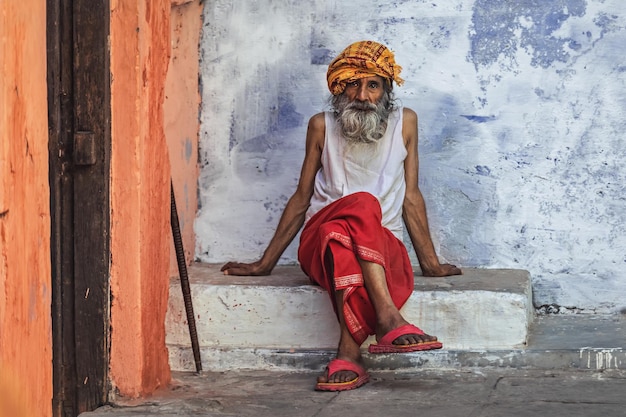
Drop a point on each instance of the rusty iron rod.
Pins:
(184, 280)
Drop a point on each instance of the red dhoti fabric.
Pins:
(351, 229)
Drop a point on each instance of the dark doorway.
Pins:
(79, 145)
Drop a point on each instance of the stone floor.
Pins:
(451, 393)
(573, 366)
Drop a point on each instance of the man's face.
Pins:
(368, 89)
(362, 110)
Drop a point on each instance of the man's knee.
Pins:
(368, 204)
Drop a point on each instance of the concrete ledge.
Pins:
(483, 309)
(222, 360)
(555, 342)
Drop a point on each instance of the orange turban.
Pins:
(360, 60)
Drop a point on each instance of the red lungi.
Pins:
(351, 228)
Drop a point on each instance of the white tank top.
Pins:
(380, 174)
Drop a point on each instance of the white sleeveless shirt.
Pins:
(380, 174)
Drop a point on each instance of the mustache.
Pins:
(361, 105)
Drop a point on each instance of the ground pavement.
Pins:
(477, 392)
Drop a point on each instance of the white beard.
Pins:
(362, 122)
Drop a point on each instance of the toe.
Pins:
(337, 377)
(414, 339)
(342, 376)
(429, 338)
(322, 379)
(407, 339)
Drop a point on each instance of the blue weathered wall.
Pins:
(522, 109)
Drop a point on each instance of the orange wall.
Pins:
(140, 196)
(151, 131)
(182, 101)
(25, 283)
(140, 174)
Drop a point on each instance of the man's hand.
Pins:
(238, 268)
(444, 270)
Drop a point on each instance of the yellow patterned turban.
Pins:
(360, 60)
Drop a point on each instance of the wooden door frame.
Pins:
(80, 153)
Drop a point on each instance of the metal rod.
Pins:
(184, 280)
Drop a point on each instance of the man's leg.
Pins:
(388, 316)
(348, 349)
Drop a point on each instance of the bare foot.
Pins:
(405, 339)
(338, 377)
(412, 339)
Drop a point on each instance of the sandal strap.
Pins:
(400, 331)
(337, 365)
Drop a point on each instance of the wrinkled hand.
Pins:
(444, 270)
(238, 268)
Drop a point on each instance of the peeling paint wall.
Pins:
(522, 114)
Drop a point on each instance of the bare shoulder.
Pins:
(316, 132)
(317, 122)
(409, 126)
(408, 115)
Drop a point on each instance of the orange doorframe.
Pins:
(25, 283)
(140, 196)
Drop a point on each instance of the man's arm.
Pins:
(294, 213)
(414, 208)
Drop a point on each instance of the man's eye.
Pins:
(354, 84)
(374, 85)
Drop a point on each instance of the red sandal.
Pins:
(337, 365)
(386, 345)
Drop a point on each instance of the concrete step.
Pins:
(282, 321)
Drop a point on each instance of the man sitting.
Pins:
(358, 186)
